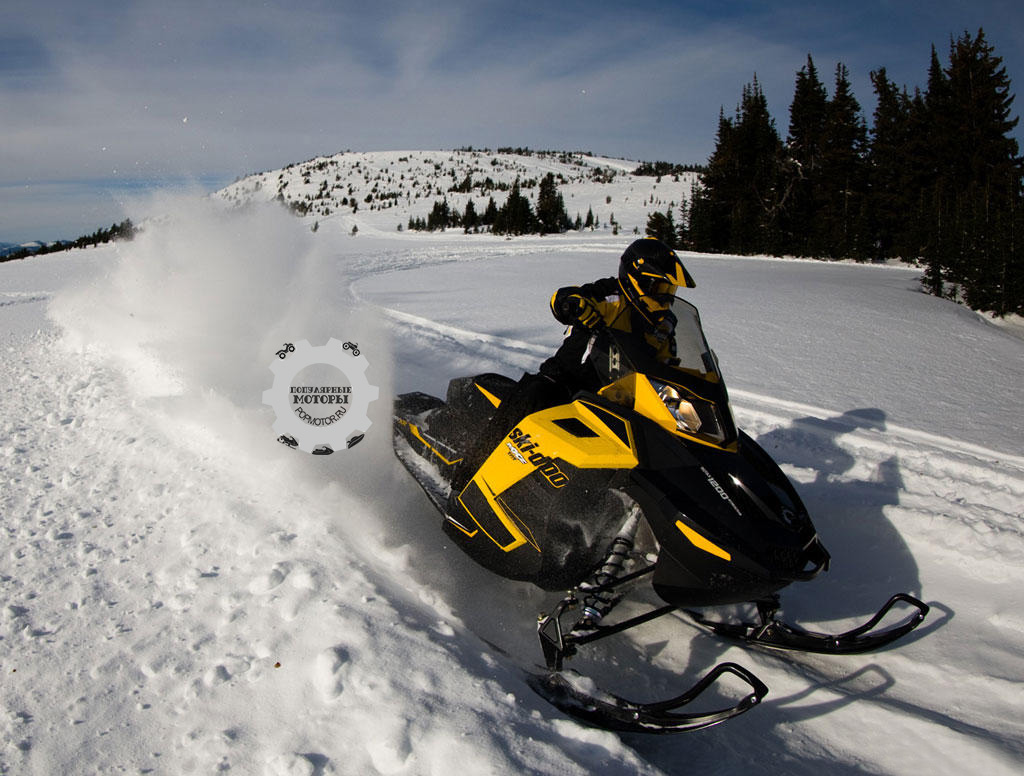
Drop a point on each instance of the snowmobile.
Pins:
(646, 480)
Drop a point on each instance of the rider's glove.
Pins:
(583, 311)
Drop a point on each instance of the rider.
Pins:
(636, 302)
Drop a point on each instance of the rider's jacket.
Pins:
(567, 365)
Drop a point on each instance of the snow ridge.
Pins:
(378, 192)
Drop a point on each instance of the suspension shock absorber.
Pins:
(598, 595)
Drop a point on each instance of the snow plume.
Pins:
(197, 305)
(205, 295)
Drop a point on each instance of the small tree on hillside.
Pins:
(490, 213)
(470, 220)
(662, 227)
(551, 213)
(516, 216)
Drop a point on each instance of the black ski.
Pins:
(776, 634)
(570, 693)
(578, 697)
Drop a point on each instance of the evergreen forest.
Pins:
(937, 179)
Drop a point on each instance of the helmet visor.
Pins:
(657, 289)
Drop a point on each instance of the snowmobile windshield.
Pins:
(687, 393)
(681, 321)
(691, 347)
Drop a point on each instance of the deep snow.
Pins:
(181, 594)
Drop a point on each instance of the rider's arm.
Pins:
(578, 304)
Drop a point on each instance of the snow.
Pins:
(379, 191)
(182, 594)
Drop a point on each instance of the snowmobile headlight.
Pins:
(682, 410)
(692, 414)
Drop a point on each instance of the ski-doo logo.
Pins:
(525, 446)
(513, 453)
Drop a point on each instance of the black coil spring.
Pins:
(599, 597)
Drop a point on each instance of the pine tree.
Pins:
(551, 213)
(976, 194)
(516, 216)
(470, 220)
(490, 213)
(934, 222)
(804, 144)
(989, 162)
(738, 206)
(843, 170)
(661, 226)
(889, 169)
(683, 227)
(440, 216)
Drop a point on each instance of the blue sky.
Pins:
(101, 100)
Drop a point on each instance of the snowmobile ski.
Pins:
(776, 634)
(576, 696)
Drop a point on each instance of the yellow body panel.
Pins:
(415, 430)
(537, 444)
(635, 391)
(700, 542)
(490, 396)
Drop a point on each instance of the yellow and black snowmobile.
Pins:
(654, 458)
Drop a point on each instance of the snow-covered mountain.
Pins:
(9, 248)
(380, 191)
(182, 594)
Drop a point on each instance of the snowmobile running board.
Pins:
(775, 634)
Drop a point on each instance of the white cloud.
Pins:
(101, 92)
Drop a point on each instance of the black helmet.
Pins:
(649, 274)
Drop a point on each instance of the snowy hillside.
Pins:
(380, 191)
(182, 594)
